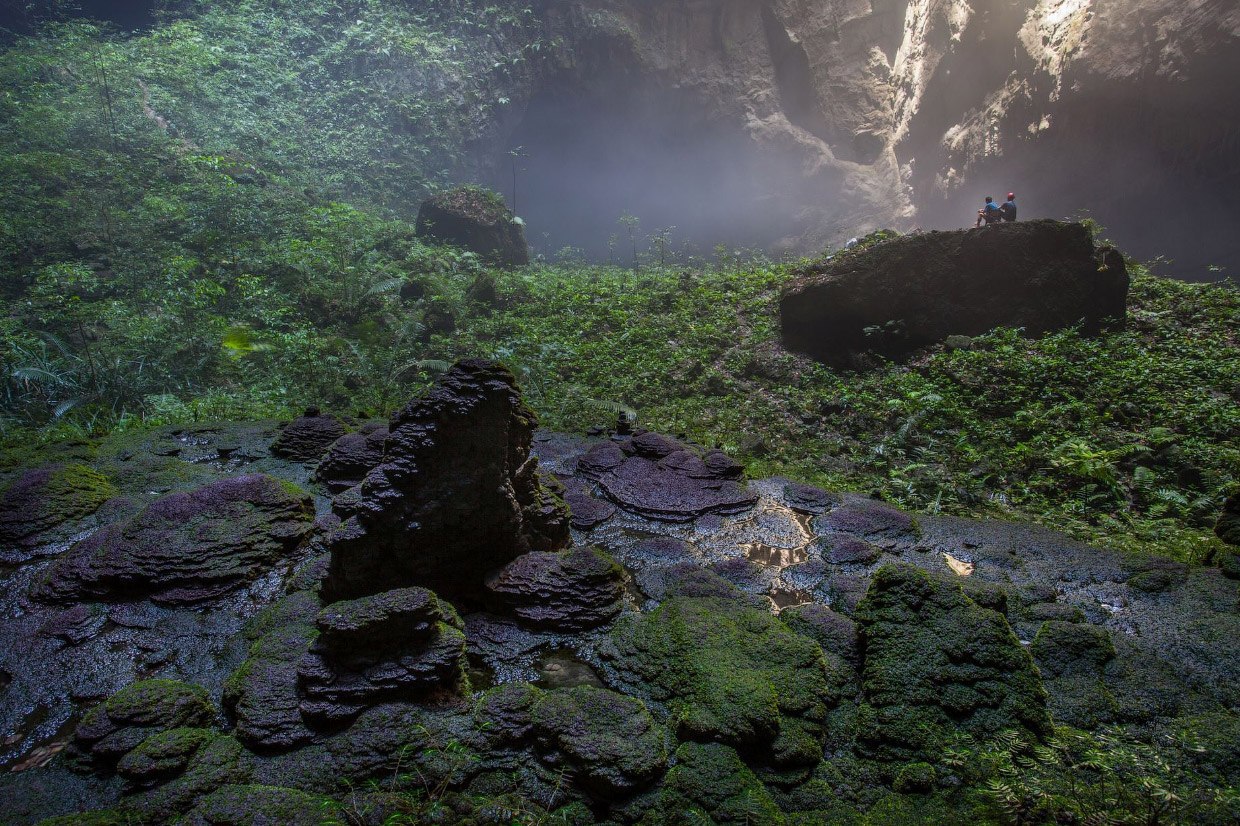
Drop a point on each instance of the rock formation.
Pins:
(478, 221)
(35, 506)
(661, 478)
(566, 591)
(402, 644)
(308, 437)
(186, 547)
(906, 293)
(456, 497)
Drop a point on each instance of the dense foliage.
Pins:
(177, 244)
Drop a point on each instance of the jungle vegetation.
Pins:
(213, 220)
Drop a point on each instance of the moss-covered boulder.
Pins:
(163, 755)
(41, 504)
(477, 220)
(186, 547)
(403, 644)
(261, 695)
(730, 673)
(711, 784)
(935, 663)
(1071, 657)
(112, 729)
(608, 743)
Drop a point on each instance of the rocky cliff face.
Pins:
(851, 114)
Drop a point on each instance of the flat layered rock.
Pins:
(307, 438)
(566, 591)
(186, 547)
(659, 478)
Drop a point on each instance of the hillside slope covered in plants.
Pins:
(241, 247)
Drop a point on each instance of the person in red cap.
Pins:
(1009, 208)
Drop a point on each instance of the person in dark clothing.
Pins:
(990, 213)
(1009, 208)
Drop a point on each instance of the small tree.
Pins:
(631, 223)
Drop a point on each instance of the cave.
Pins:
(594, 151)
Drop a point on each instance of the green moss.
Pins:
(160, 704)
(730, 673)
(935, 663)
(164, 754)
(711, 784)
(40, 502)
(916, 778)
(611, 744)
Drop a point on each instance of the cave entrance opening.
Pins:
(591, 154)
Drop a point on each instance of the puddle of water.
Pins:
(561, 669)
(959, 566)
(783, 596)
(777, 557)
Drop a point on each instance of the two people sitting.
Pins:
(992, 213)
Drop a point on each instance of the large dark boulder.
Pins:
(907, 293)
(479, 221)
(457, 495)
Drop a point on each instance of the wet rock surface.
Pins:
(728, 661)
(906, 293)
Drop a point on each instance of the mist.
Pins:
(588, 157)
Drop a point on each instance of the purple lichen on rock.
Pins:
(186, 547)
(658, 477)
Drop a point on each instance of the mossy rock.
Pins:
(729, 673)
(42, 505)
(608, 742)
(915, 778)
(262, 805)
(936, 663)
(220, 762)
(112, 729)
(709, 783)
(163, 755)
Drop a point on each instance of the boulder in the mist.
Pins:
(910, 292)
(477, 220)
